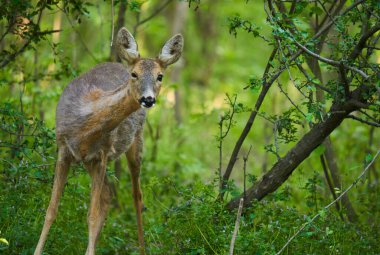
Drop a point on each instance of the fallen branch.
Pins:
(331, 204)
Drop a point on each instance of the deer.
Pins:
(100, 116)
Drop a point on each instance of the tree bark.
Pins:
(329, 150)
(205, 21)
(119, 24)
(284, 167)
(178, 23)
(335, 175)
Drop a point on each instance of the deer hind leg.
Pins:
(134, 163)
(60, 178)
(100, 201)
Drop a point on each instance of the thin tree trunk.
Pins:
(205, 20)
(329, 154)
(329, 151)
(119, 24)
(331, 186)
(178, 24)
(334, 171)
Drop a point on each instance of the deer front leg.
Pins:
(100, 200)
(60, 177)
(134, 163)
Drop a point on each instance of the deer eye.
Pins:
(159, 77)
(134, 75)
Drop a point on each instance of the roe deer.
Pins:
(101, 115)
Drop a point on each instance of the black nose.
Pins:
(147, 101)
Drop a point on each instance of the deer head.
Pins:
(146, 73)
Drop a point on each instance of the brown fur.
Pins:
(99, 118)
(93, 95)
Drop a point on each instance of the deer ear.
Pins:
(171, 51)
(127, 46)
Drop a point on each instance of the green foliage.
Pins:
(199, 225)
(311, 187)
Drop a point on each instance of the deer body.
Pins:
(100, 116)
(97, 113)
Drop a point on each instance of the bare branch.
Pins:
(374, 124)
(151, 16)
(361, 44)
(330, 61)
(245, 159)
(290, 100)
(303, 71)
(237, 223)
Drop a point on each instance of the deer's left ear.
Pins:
(171, 51)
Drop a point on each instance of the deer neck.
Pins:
(109, 109)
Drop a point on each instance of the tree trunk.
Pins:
(285, 166)
(178, 24)
(329, 151)
(334, 171)
(119, 24)
(205, 21)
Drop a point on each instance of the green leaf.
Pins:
(4, 241)
(368, 158)
(322, 213)
(309, 117)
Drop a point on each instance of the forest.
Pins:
(263, 139)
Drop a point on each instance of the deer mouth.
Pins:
(147, 105)
(147, 102)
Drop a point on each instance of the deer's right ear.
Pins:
(127, 46)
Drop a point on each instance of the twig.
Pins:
(151, 16)
(374, 124)
(222, 135)
(324, 59)
(327, 12)
(155, 13)
(231, 115)
(331, 204)
(245, 159)
(113, 22)
(330, 61)
(303, 71)
(220, 153)
(369, 116)
(361, 44)
(290, 100)
(329, 183)
(237, 223)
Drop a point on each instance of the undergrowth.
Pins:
(180, 218)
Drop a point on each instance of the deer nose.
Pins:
(147, 102)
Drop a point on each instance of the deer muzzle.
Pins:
(147, 102)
